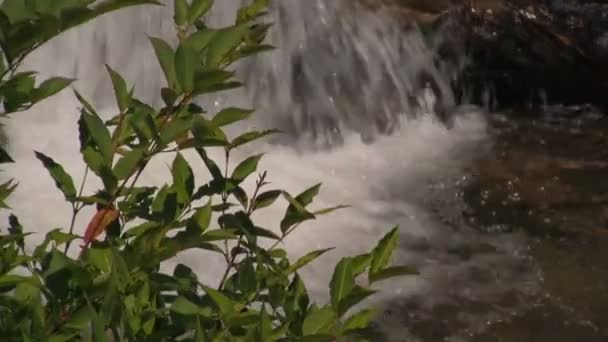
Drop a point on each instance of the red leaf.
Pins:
(99, 223)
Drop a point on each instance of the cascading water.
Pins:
(340, 74)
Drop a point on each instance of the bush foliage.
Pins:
(115, 289)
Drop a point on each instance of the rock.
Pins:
(527, 55)
(605, 217)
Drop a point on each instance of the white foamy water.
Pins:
(382, 180)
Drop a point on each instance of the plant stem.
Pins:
(76, 209)
(230, 264)
(224, 201)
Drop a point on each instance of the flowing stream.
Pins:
(367, 111)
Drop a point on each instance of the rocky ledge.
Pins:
(520, 53)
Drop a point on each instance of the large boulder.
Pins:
(520, 55)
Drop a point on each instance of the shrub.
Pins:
(114, 289)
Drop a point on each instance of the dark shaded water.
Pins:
(547, 179)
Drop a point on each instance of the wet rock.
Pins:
(528, 55)
(605, 217)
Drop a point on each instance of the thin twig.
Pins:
(76, 209)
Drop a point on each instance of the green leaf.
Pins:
(219, 235)
(224, 42)
(186, 59)
(356, 296)
(85, 104)
(295, 213)
(93, 159)
(181, 12)
(5, 157)
(297, 300)
(198, 8)
(231, 115)
(215, 171)
(202, 217)
(266, 199)
(358, 321)
(391, 272)
(246, 280)
(50, 87)
(207, 133)
(319, 321)
(99, 328)
(214, 80)
(100, 258)
(143, 125)
(16, 10)
(224, 304)
(261, 232)
(166, 59)
(123, 97)
(100, 135)
(175, 128)
(63, 181)
(241, 196)
(342, 281)
(330, 210)
(164, 205)
(381, 255)
(306, 259)
(248, 137)
(59, 237)
(306, 197)
(183, 306)
(199, 334)
(63, 337)
(361, 263)
(12, 280)
(81, 318)
(252, 11)
(6, 189)
(183, 178)
(128, 164)
(264, 328)
(200, 39)
(168, 95)
(246, 168)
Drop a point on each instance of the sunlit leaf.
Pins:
(200, 39)
(181, 12)
(306, 259)
(342, 281)
(356, 296)
(202, 217)
(391, 272)
(360, 320)
(319, 321)
(50, 87)
(381, 255)
(123, 96)
(127, 165)
(198, 8)
(225, 305)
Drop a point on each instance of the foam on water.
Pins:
(377, 70)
